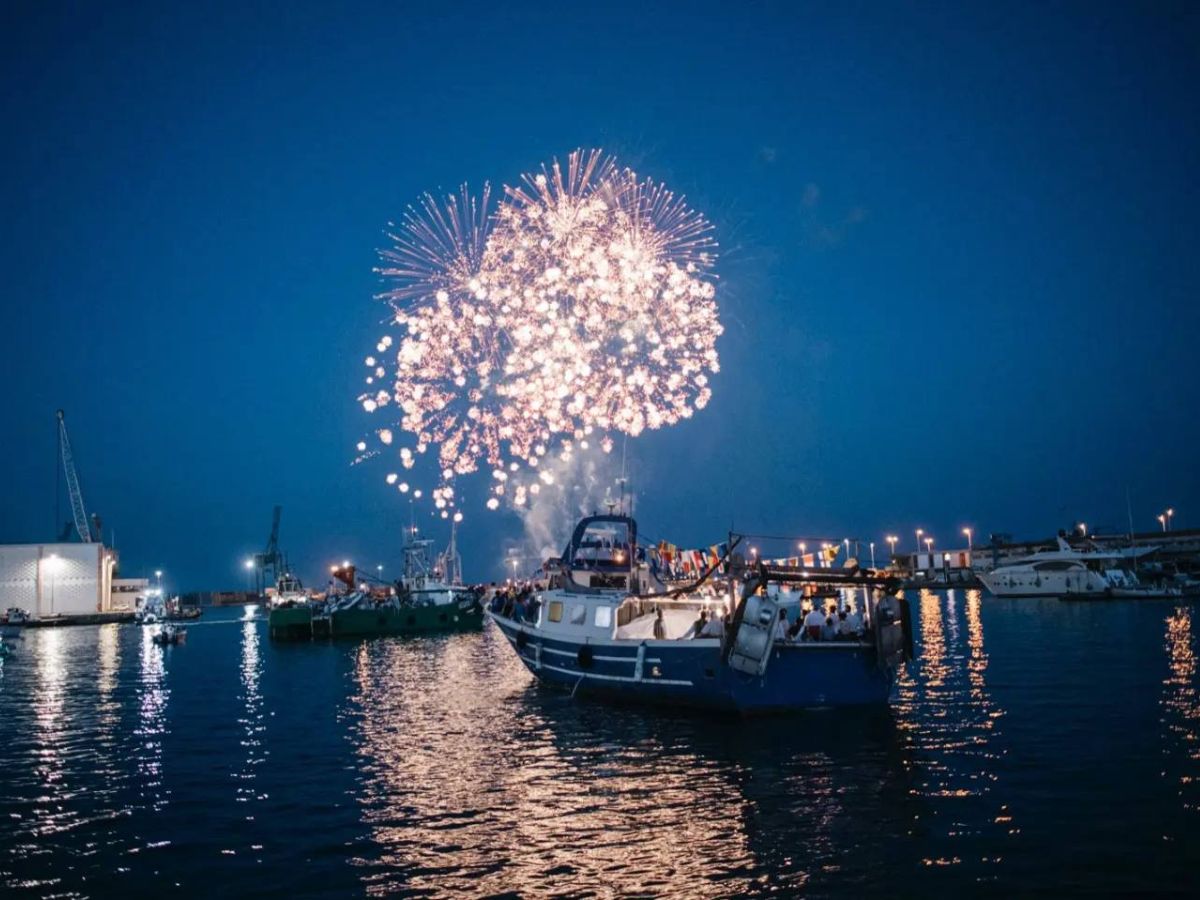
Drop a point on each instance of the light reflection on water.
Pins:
(470, 790)
(947, 711)
(437, 766)
(251, 719)
(1181, 705)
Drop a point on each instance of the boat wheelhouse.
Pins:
(606, 625)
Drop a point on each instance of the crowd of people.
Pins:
(831, 624)
(516, 602)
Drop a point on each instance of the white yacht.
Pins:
(1065, 572)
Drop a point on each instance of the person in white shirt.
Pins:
(851, 625)
(814, 622)
(781, 626)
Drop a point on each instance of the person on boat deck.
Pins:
(796, 631)
(518, 612)
(814, 622)
(781, 626)
(829, 629)
(851, 624)
(698, 625)
(660, 627)
(714, 628)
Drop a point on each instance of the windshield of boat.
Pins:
(604, 545)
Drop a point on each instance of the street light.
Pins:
(846, 541)
(1170, 513)
(1162, 520)
(929, 545)
(970, 546)
(872, 554)
(920, 531)
(892, 539)
(158, 576)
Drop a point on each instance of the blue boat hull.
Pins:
(691, 673)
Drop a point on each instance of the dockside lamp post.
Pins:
(970, 546)
(920, 531)
(929, 545)
(892, 539)
(1162, 520)
(872, 554)
(51, 565)
(1170, 514)
(158, 579)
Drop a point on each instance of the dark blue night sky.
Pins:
(959, 269)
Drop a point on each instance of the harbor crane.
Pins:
(271, 558)
(83, 527)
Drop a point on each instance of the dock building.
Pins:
(48, 580)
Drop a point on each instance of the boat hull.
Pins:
(691, 673)
(298, 622)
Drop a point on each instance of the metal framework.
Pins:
(78, 512)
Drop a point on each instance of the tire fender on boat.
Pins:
(585, 657)
(522, 639)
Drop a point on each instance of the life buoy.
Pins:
(522, 640)
(585, 657)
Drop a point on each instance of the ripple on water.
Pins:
(438, 767)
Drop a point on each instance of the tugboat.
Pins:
(429, 598)
(606, 626)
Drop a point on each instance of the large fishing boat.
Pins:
(608, 626)
(429, 598)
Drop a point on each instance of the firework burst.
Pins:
(582, 308)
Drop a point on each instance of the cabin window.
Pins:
(603, 616)
(556, 610)
(579, 615)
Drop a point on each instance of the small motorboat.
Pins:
(170, 634)
(16, 616)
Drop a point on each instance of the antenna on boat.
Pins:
(1129, 513)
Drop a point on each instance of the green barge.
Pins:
(304, 621)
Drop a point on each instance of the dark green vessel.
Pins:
(310, 620)
(428, 599)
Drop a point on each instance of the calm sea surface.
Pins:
(1034, 745)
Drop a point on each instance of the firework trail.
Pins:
(583, 307)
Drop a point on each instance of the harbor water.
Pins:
(1033, 745)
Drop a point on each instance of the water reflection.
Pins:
(469, 785)
(1181, 703)
(945, 708)
(250, 716)
(48, 700)
(151, 726)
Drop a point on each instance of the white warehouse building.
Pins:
(56, 579)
